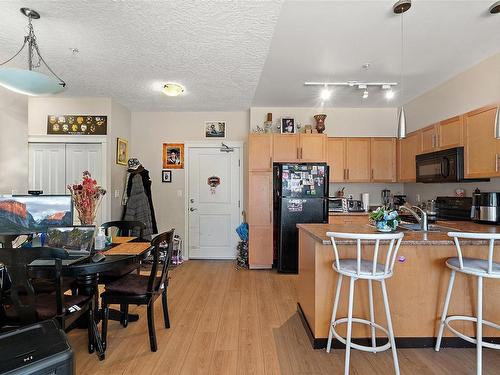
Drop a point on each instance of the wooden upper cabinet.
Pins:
(285, 148)
(383, 159)
(358, 160)
(407, 149)
(336, 159)
(450, 133)
(260, 152)
(260, 198)
(312, 147)
(481, 148)
(429, 139)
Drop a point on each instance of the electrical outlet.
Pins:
(117, 193)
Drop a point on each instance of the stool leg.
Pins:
(389, 328)
(445, 310)
(334, 313)
(479, 326)
(349, 326)
(372, 313)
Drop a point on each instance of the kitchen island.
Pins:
(416, 291)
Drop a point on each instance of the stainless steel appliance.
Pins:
(453, 208)
(486, 208)
(442, 166)
(386, 197)
(398, 200)
(300, 196)
(344, 205)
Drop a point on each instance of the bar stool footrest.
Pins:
(468, 338)
(364, 348)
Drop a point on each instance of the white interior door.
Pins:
(82, 157)
(47, 168)
(214, 212)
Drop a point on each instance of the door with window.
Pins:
(214, 206)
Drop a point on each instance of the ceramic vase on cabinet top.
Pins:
(320, 122)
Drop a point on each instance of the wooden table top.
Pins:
(318, 232)
(131, 248)
(123, 239)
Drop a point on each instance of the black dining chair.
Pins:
(135, 289)
(125, 228)
(21, 305)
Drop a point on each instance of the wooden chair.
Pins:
(142, 290)
(22, 306)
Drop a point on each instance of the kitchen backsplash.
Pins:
(375, 190)
(431, 191)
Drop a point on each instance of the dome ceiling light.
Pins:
(173, 89)
(29, 81)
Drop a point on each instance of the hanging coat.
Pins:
(146, 182)
(138, 208)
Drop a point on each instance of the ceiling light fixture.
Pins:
(173, 89)
(365, 94)
(389, 93)
(325, 94)
(495, 8)
(400, 8)
(28, 81)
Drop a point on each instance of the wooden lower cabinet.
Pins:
(260, 246)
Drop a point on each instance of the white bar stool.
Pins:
(479, 268)
(364, 269)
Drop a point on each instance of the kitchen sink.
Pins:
(415, 227)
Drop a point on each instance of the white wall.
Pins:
(13, 142)
(340, 122)
(119, 127)
(151, 129)
(474, 88)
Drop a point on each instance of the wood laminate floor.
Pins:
(228, 321)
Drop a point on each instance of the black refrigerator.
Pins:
(300, 196)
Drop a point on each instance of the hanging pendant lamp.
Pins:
(28, 81)
(401, 7)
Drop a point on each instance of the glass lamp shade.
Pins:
(29, 82)
(401, 124)
(173, 89)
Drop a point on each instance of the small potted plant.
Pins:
(384, 219)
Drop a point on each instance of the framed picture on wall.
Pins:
(173, 155)
(288, 125)
(215, 129)
(121, 151)
(166, 176)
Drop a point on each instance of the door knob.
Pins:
(191, 200)
(192, 209)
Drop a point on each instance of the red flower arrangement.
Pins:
(87, 197)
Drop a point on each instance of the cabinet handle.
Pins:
(433, 141)
(301, 153)
(496, 162)
(372, 174)
(270, 162)
(298, 153)
(270, 217)
(347, 173)
(345, 178)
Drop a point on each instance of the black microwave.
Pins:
(441, 166)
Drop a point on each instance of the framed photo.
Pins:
(166, 176)
(215, 129)
(77, 125)
(173, 155)
(287, 125)
(121, 151)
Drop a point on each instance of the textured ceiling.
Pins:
(332, 40)
(215, 48)
(234, 54)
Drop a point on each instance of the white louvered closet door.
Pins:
(47, 167)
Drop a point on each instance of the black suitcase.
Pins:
(37, 349)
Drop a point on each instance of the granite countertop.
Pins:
(318, 232)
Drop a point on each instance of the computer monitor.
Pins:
(70, 237)
(30, 213)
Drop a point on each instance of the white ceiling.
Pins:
(234, 54)
(331, 40)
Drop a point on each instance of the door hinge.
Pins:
(239, 163)
(239, 204)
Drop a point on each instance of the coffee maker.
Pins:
(485, 207)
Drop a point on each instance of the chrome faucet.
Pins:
(422, 220)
